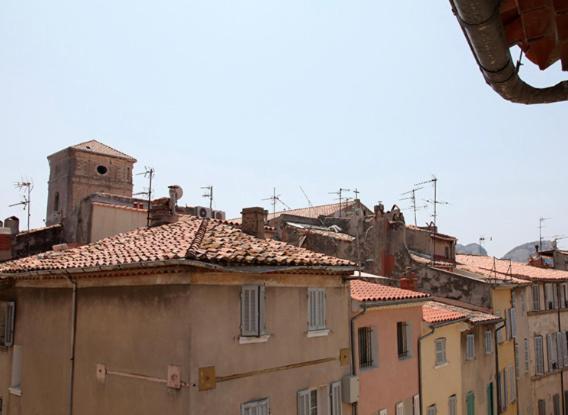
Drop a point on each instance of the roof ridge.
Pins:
(192, 250)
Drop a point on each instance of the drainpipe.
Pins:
(560, 331)
(353, 365)
(482, 27)
(72, 336)
(420, 398)
(497, 375)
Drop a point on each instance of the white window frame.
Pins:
(399, 408)
(470, 346)
(335, 398)
(440, 351)
(253, 310)
(316, 309)
(488, 337)
(307, 401)
(432, 410)
(257, 407)
(452, 405)
(7, 319)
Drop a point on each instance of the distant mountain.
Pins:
(523, 252)
(472, 249)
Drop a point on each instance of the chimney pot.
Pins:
(13, 223)
(253, 219)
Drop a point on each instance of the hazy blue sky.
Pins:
(247, 95)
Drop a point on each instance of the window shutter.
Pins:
(513, 322)
(416, 405)
(400, 408)
(559, 349)
(262, 310)
(508, 323)
(336, 398)
(304, 402)
(565, 347)
(316, 309)
(321, 310)
(408, 339)
(311, 309)
(470, 347)
(249, 310)
(9, 323)
(539, 352)
(513, 383)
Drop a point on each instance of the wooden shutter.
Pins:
(539, 352)
(559, 349)
(321, 309)
(513, 322)
(261, 310)
(416, 405)
(408, 335)
(10, 311)
(249, 310)
(470, 347)
(304, 402)
(399, 408)
(565, 347)
(316, 309)
(335, 398)
(312, 299)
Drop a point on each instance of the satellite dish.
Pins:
(176, 191)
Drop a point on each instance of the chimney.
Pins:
(13, 223)
(408, 283)
(161, 212)
(253, 221)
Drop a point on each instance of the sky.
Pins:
(253, 95)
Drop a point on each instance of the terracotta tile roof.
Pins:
(368, 291)
(96, 147)
(504, 269)
(434, 234)
(309, 212)
(204, 240)
(120, 207)
(438, 312)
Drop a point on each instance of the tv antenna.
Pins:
(26, 186)
(412, 199)
(208, 194)
(482, 240)
(339, 193)
(148, 173)
(435, 202)
(307, 198)
(276, 199)
(541, 220)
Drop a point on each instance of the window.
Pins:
(102, 170)
(550, 296)
(399, 408)
(366, 347)
(255, 408)
(440, 351)
(403, 336)
(470, 347)
(552, 351)
(252, 310)
(383, 412)
(488, 342)
(335, 397)
(470, 403)
(503, 389)
(316, 309)
(512, 385)
(7, 314)
(56, 202)
(541, 407)
(556, 404)
(432, 410)
(447, 251)
(16, 379)
(308, 402)
(490, 404)
(536, 297)
(526, 355)
(452, 405)
(415, 405)
(539, 355)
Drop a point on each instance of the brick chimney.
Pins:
(13, 223)
(253, 221)
(161, 212)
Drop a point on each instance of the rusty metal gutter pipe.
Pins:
(72, 335)
(481, 24)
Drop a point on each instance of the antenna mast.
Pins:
(540, 226)
(274, 199)
(27, 187)
(208, 194)
(435, 202)
(412, 199)
(339, 193)
(148, 173)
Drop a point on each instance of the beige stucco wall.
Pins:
(137, 331)
(391, 380)
(478, 373)
(110, 220)
(523, 304)
(439, 383)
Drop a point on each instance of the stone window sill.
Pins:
(15, 391)
(254, 339)
(318, 333)
(441, 365)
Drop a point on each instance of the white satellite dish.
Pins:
(176, 191)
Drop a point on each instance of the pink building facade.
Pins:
(386, 328)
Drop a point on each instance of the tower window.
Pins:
(56, 202)
(102, 170)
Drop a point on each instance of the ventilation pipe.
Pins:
(481, 23)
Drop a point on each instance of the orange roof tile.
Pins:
(205, 240)
(503, 269)
(438, 312)
(309, 212)
(96, 147)
(368, 291)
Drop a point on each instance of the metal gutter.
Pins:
(481, 24)
(72, 336)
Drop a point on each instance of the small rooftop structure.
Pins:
(435, 312)
(371, 292)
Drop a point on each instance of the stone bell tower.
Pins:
(81, 170)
